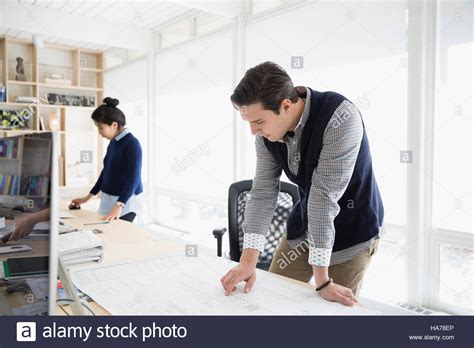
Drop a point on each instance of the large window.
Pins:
(363, 50)
(358, 50)
(193, 130)
(452, 241)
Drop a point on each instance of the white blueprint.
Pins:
(191, 285)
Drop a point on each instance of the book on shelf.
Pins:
(9, 184)
(42, 127)
(34, 185)
(3, 94)
(8, 148)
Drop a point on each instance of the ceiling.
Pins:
(147, 14)
(107, 25)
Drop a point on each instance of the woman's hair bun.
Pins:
(111, 101)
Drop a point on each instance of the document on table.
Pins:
(80, 247)
(78, 241)
(191, 285)
(43, 226)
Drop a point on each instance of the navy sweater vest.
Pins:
(361, 208)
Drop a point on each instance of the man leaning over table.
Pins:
(318, 139)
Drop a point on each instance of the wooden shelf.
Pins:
(29, 131)
(46, 106)
(54, 106)
(18, 130)
(82, 66)
(21, 83)
(51, 106)
(92, 70)
(8, 159)
(19, 41)
(79, 88)
(16, 105)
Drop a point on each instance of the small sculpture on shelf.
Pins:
(54, 121)
(20, 70)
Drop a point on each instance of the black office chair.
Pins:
(239, 193)
(129, 217)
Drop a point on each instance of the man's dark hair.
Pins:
(109, 113)
(267, 83)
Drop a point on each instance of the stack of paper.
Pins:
(79, 247)
(54, 81)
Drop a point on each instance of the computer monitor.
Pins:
(29, 189)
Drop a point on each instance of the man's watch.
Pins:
(119, 204)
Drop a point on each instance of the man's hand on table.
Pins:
(244, 271)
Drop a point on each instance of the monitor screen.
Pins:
(28, 223)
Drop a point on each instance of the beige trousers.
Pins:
(294, 264)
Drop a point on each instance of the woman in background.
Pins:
(120, 180)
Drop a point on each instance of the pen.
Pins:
(97, 223)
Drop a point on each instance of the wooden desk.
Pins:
(124, 242)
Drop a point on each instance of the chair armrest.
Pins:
(219, 232)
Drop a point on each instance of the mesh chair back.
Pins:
(238, 196)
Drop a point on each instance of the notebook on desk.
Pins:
(80, 247)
